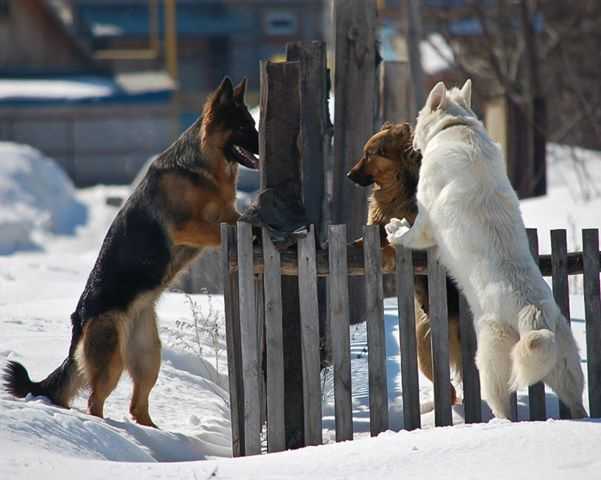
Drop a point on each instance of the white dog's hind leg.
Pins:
(535, 354)
(566, 378)
(416, 237)
(493, 358)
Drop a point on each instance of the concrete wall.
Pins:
(94, 144)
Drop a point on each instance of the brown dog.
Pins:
(171, 217)
(392, 166)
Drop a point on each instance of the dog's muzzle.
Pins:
(359, 178)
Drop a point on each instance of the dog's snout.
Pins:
(359, 177)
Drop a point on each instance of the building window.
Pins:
(280, 23)
(4, 9)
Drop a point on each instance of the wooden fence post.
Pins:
(472, 401)
(250, 341)
(232, 332)
(561, 291)
(592, 310)
(307, 287)
(536, 393)
(439, 321)
(272, 287)
(279, 151)
(339, 325)
(376, 335)
(355, 107)
(315, 150)
(396, 93)
(396, 105)
(405, 283)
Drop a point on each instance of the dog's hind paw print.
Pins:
(395, 229)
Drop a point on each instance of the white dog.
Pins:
(469, 211)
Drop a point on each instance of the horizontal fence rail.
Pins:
(255, 343)
(356, 262)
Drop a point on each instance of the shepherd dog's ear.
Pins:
(437, 99)
(240, 91)
(466, 93)
(225, 92)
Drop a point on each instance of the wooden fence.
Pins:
(254, 323)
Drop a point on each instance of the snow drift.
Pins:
(36, 196)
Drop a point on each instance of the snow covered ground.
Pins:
(39, 289)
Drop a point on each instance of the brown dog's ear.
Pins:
(225, 92)
(401, 133)
(387, 125)
(240, 90)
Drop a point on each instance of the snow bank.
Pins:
(573, 199)
(36, 196)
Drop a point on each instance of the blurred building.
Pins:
(214, 38)
(86, 81)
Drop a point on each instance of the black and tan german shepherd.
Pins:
(173, 214)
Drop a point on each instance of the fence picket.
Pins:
(232, 333)
(376, 336)
(309, 316)
(340, 335)
(407, 341)
(272, 287)
(561, 292)
(536, 392)
(439, 321)
(592, 305)
(472, 401)
(250, 341)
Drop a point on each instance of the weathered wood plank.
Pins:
(592, 311)
(250, 341)
(407, 341)
(309, 313)
(472, 401)
(376, 339)
(396, 93)
(561, 291)
(279, 133)
(232, 334)
(356, 262)
(315, 127)
(439, 321)
(536, 392)
(355, 72)
(339, 328)
(315, 151)
(260, 306)
(272, 287)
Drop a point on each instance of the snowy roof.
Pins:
(147, 86)
(192, 19)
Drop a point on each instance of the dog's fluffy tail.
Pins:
(535, 354)
(60, 386)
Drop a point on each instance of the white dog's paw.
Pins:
(395, 229)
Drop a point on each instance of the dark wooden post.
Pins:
(279, 151)
(396, 93)
(355, 106)
(397, 104)
(234, 348)
(316, 130)
(536, 393)
(315, 145)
